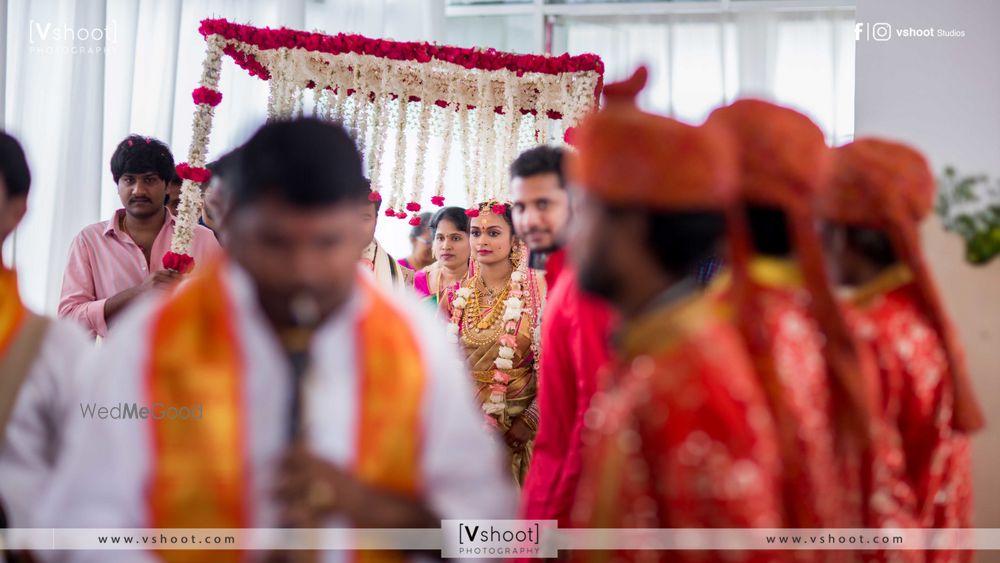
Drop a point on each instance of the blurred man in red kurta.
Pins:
(575, 332)
(681, 436)
(881, 192)
(788, 312)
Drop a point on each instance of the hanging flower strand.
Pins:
(193, 172)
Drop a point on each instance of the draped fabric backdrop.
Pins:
(131, 69)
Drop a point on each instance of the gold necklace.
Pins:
(487, 320)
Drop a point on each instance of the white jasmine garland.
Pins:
(398, 177)
(465, 139)
(449, 121)
(423, 138)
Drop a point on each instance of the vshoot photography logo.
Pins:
(51, 38)
(499, 538)
(882, 31)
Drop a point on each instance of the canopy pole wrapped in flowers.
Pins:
(488, 104)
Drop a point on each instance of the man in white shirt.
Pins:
(304, 395)
(36, 357)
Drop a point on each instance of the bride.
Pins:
(495, 314)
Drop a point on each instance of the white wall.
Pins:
(943, 96)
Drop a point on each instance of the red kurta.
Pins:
(575, 332)
(683, 437)
(916, 401)
(813, 488)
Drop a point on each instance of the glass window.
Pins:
(506, 33)
(802, 58)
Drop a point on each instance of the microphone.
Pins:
(296, 341)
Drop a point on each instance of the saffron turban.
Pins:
(784, 163)
(889, 186)
(629, 157)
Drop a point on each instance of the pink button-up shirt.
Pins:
(104, 261)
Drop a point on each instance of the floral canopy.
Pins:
(489, 104)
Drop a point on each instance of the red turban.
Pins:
(626, 156)
(785, 163)
(889, 186)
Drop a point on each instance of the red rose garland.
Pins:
(421, 52)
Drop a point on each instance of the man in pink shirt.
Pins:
(113, 262)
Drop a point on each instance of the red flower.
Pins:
(375, 197)
(390, 213)
(178, 262)
(413, 206)
(437, 200)
(193, 173)
(499, 208)
(569, 135)
(208, 96)
(415, 220)
(472, 213)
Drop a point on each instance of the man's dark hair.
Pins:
(543, 159)
(455, 215)
(873, 244)
(14, 166)
(304, 162)
(680, 241)
(140, 155)
(417, 230)
(225, 166)
(769, 229)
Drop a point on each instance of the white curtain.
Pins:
(80, 75)
(804, 59)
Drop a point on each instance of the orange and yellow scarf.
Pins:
(200, 471)
(12, 311)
